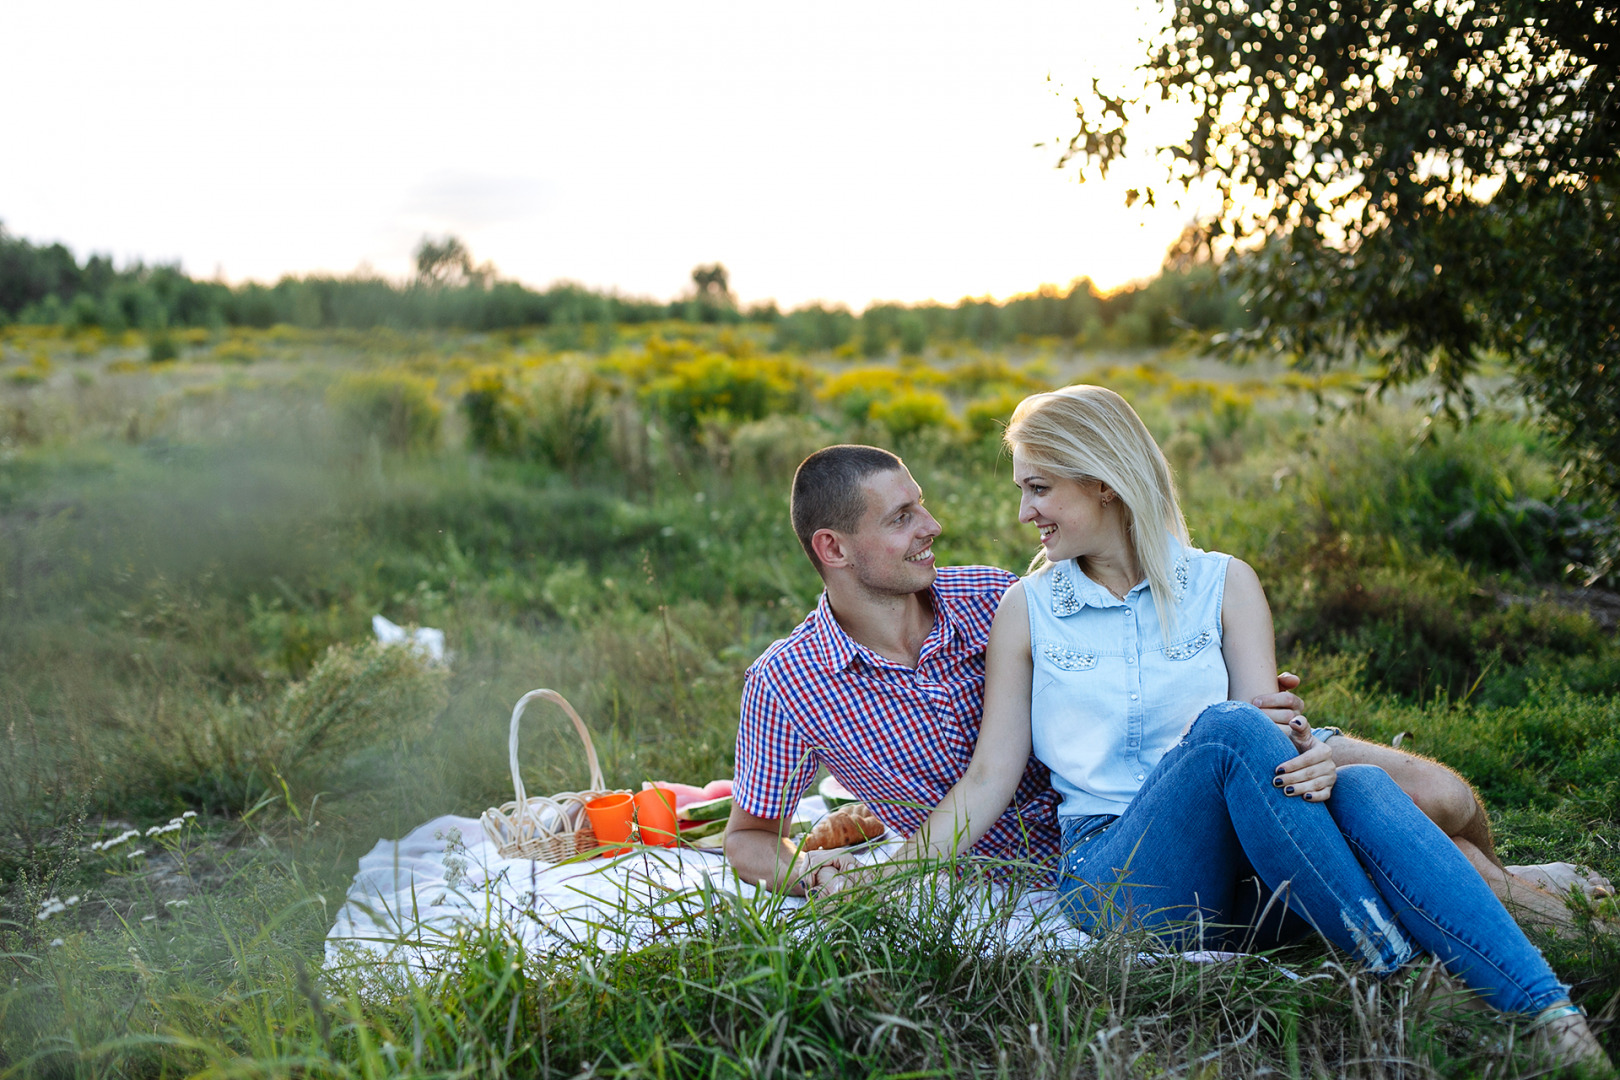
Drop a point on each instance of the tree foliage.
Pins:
(1423, 182)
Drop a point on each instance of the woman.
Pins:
(1124, 660)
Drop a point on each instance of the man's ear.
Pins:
(829, 547)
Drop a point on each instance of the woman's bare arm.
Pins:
(977, 801)
(1249, 646)
(1248, 643)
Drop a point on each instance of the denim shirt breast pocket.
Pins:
(1191, 645)
(1056, 661)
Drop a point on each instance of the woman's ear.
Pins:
(1108, 494)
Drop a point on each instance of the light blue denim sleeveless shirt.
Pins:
(1112, 692)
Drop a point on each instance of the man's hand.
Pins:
(1284, 705)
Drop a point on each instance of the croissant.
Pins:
(851, 824)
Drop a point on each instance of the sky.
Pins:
(841, 152)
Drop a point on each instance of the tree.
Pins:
(713, 284)
(448, 262)
(1422, 182)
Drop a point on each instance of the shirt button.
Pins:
(1141, 776)
(1131, 659)
(1133, 697)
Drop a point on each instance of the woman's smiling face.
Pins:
(1069, 513)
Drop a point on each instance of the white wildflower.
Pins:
(176, 903)
(189, 814)
(108, 845)
(74, 899)
(148, 918)
(55, 942)
(137, 853)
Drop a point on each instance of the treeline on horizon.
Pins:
(48, 285)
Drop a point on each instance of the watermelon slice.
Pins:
(835, 794)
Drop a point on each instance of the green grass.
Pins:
(182, 544)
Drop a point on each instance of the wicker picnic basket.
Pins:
(553, 827)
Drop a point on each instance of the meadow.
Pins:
(196, 528)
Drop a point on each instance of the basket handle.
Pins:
(579, 726)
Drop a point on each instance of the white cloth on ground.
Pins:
(411, 896)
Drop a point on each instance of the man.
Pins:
(884, 685)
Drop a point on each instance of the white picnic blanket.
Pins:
(413, 895)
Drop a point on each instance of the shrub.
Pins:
(494, 420)
(396, 409)
(162, 347)
(913, 334)
(1486, 493)
(356, 696)
(989, 416)
(237, 350)
(771, 449)
(716, 386)
(565, 415)
(913, 411)
(854, 392)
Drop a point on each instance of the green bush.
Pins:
(1487, 494)
(396, 409)
(356, 696)
(565, 415)
(989, 416)
(912, 411)
(494, 419)
(161, 347)
(716, 386)
(770, 450)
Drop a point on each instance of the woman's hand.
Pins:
(823, 869)
(1310, 775)
(829, 880)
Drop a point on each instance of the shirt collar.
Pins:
(1073, 590)
(839, 650)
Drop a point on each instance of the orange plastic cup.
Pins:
(655, 816)
(610, 820)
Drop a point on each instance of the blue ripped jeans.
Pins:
(1366, 869)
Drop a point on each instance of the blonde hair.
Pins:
(1091, 433)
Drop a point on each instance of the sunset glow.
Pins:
(843, 152)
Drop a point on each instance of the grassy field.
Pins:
(191, 550)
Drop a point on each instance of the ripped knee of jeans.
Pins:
(1378, 940)
(1229, 722)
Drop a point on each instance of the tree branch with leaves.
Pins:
(1424, 183)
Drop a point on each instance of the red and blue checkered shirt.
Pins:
(896, 737)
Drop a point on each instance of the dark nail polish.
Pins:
(1306, 796)
(1279, 770)
(1289, 790)
(1276, 781)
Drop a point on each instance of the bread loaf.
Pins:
(851, 824)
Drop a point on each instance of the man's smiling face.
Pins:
(892, 553)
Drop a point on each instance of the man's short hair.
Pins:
(827, 490)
